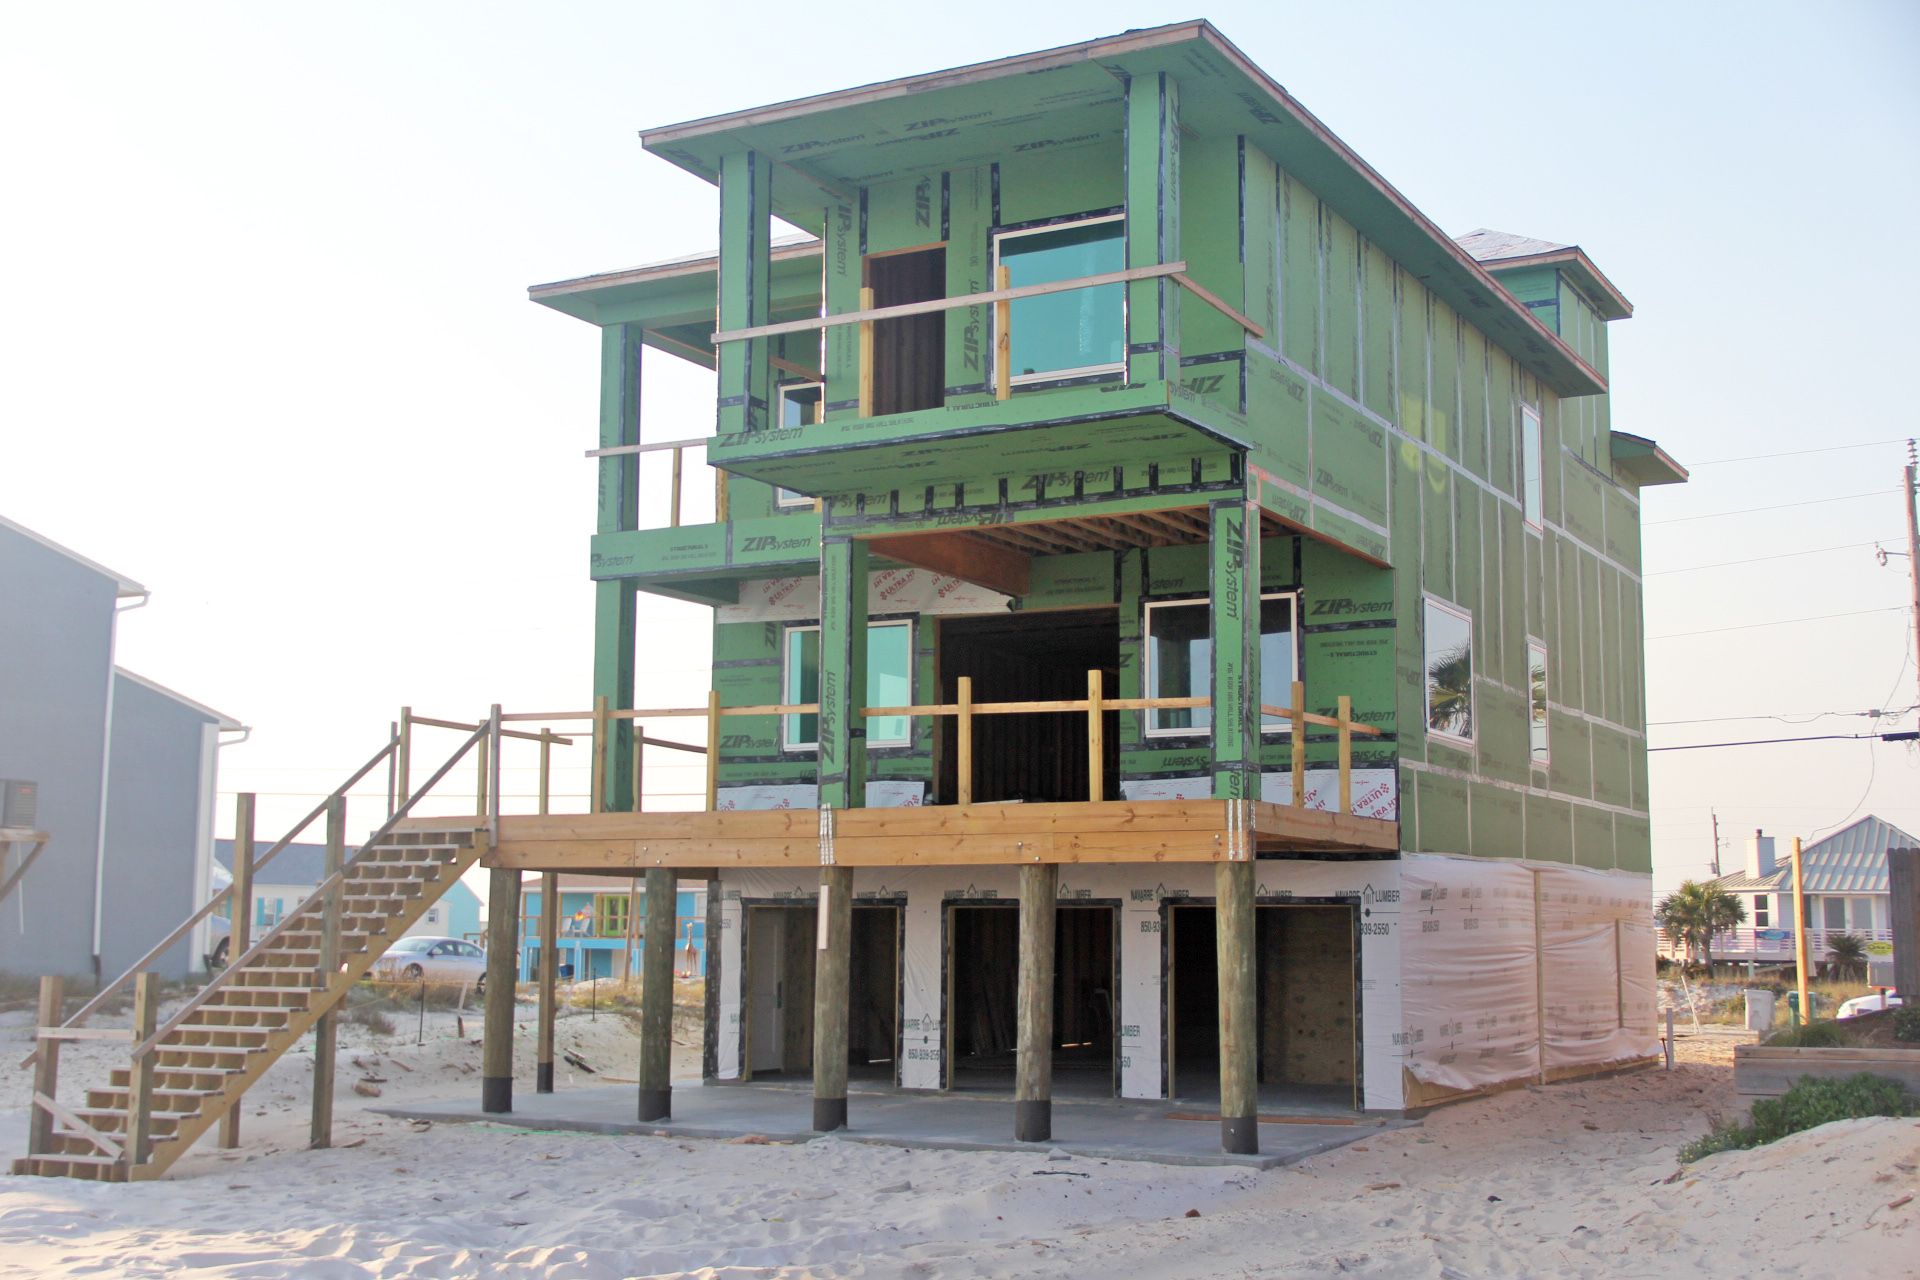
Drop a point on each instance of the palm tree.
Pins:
(1847, 955)
(1695, 912)
(1450, 692)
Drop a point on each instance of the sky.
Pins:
(265, 345)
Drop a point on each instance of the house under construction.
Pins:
(1177, 621)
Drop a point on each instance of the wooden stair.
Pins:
(247, 1016)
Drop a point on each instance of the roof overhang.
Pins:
(124, 587)
(1644, 462)
(1574, 262)
(220, 718)
(828, 146)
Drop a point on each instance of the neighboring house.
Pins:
(595, 913)
(125, 772)
(1845, 881)
(1246, 418)
(297, 870)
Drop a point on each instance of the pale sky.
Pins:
(265, 344)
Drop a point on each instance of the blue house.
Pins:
(594, 916)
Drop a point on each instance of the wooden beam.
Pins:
(1096, 739)
(960, 555)
(963, 757)
(868, 313)
(1213, 300)
(146, 1016)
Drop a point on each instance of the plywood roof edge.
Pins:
(676, 268)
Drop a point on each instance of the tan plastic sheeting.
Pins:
(1473, 989)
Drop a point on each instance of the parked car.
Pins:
(1868, 1004)
(439, 961)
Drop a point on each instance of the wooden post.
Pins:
(1299, 743)
(639, 766)
(656, 998)
(1903, 888)
(963, 758)
(1239, 1027)
(833, 940)
(239, 924)
(866, 355)
(719, 496)
(1096, 740)
(549, 973)
(1033, 1070)
(629, 932)
(480, 773)
(674, 517)
(713, 750)
(403, 758)
(393, 798)
(546, 768)
(1002, 339)
(46, 1067)
(597, 786)
(496, 1035)
(1799, 936)
(146, 1020)
(1346, 755)
(325, 1030)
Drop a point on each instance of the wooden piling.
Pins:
(46, 1067)
(326, 1028)
(239, 924)
(549, 973)
(656, 998)
(496, 1035)
(1239, 1038)
(833, 945)
(1033, 1071)
(146, 1020)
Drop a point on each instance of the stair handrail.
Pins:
(211, 904)
(313, 900)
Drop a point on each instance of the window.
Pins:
(1833, 913)
(1449, 666)
(432, 916)
(1762, 915)
(1860, 914)
(267, 911)
(800, 405)
(889, 684)
(1078, 332)
(610, 910)
(1537, 696)
(1180, 663)
(1530, 475)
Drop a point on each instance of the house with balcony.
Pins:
(1177, 625)
(601, 931)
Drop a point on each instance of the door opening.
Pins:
(909, 354)
(983, 986)
(777, 1023)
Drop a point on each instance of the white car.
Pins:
(1868, 1004)
(438, 961)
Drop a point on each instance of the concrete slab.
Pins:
(1108, 1129)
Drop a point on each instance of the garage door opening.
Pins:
(777, 1022)
(1306, 1001)
(983, 984)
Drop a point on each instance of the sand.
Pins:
(1566, 1180)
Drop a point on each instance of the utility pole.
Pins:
(1716, 843)
(1913, 553)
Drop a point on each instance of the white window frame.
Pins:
(1545, 759)
(1267, 726)
(1058, 375)
(1762, 906)
(1534, 477)
(786, 498)
(1426, 665)
(786, 683)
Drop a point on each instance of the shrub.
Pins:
(370, 1017)
(1814, 1035)
(1906, 1023)
(1808, 1104)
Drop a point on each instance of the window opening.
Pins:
(1537, 696)
(1449, 671)
(1531, 480)
(889, 684)
(1179, 662)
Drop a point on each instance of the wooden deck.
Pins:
(945, 835)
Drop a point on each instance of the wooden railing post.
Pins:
(324, 1030)
(240, 923)
(393, 772)
(597, 797)
(674, 517)
(1096, 739)
(146, 1016)
(963, 758)
(546, 768)
(1002, 339)
(46, 1068)
(866, 356)
(1299, 743)
(713, 750)
(1346, 754)
(481, 764)
(403, 757)
(639, 773)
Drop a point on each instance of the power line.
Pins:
(1784, 555)
(1787, 717)
(1779, 622)
(1908, 736)
(1793, 453)
(1778, 506)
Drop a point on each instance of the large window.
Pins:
(1180, 663)
(1537, 698)
(1078, 332)
(610, 915)
(1530, 474)
(1449, 666)
(889, 684)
